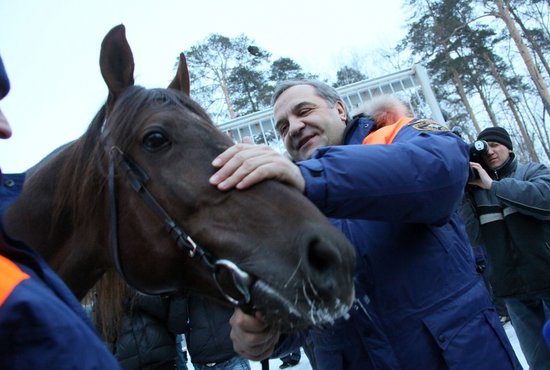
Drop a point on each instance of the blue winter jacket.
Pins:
(420, 302)
(42, 325)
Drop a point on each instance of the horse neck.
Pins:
(74, 251)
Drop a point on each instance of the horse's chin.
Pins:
(290, 316)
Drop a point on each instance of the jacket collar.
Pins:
(506, 169)
(357, 128)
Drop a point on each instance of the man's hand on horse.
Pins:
(245, 164)
(252, 337)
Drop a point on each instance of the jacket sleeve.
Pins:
(470, 219)
(419, 178)
(530, 194)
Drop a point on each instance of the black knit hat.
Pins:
(497, 134)
(4, 81)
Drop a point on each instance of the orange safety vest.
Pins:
(11, 277)
(386, 134)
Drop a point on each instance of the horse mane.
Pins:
(81, 179)
(109, 298)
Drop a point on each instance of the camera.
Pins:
(477, 149)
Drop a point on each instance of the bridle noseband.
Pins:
(137, 177)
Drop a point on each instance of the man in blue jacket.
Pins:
(42, 325)
(393, 190)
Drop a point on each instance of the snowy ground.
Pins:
(514, 340)
(304, 363)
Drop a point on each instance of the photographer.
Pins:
(507, 209)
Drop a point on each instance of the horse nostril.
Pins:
(322, 262)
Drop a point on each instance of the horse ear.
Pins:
(181, 80)
(117, 63)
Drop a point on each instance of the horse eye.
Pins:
(155, 141)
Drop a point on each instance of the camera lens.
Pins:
(479, 145)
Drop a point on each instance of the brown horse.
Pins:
(132, 194)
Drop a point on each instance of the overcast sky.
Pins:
(51, 50)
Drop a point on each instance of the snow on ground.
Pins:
(304, 363)
(514, 340)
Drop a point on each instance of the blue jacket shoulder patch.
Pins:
(428, 125)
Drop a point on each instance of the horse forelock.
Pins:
(136, 103)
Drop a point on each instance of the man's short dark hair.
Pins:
(323, 90)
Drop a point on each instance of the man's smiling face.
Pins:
(306, 121)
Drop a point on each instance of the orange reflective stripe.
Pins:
(386, 134)
(10, 276)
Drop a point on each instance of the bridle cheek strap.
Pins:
(114, 216)
(137, 177)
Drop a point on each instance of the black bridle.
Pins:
(137, 177)
(241, 280)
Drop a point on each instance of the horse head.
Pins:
(133, 193)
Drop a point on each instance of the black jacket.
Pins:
(208, 338)
(512, 220)
(146, 341)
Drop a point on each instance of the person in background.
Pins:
(393, 189)
(143, 335)
(482, 267)
(507, 209)
(290, 359)
(480, 254)
(207, 334)
(42, 324)
(145, 340)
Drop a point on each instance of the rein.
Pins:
(241, 280)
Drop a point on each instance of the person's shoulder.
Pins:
(425, 124)
(12, 277)
(38, 325)
(529, 166)
(538, 166)
(22, 286)
(530, 169)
